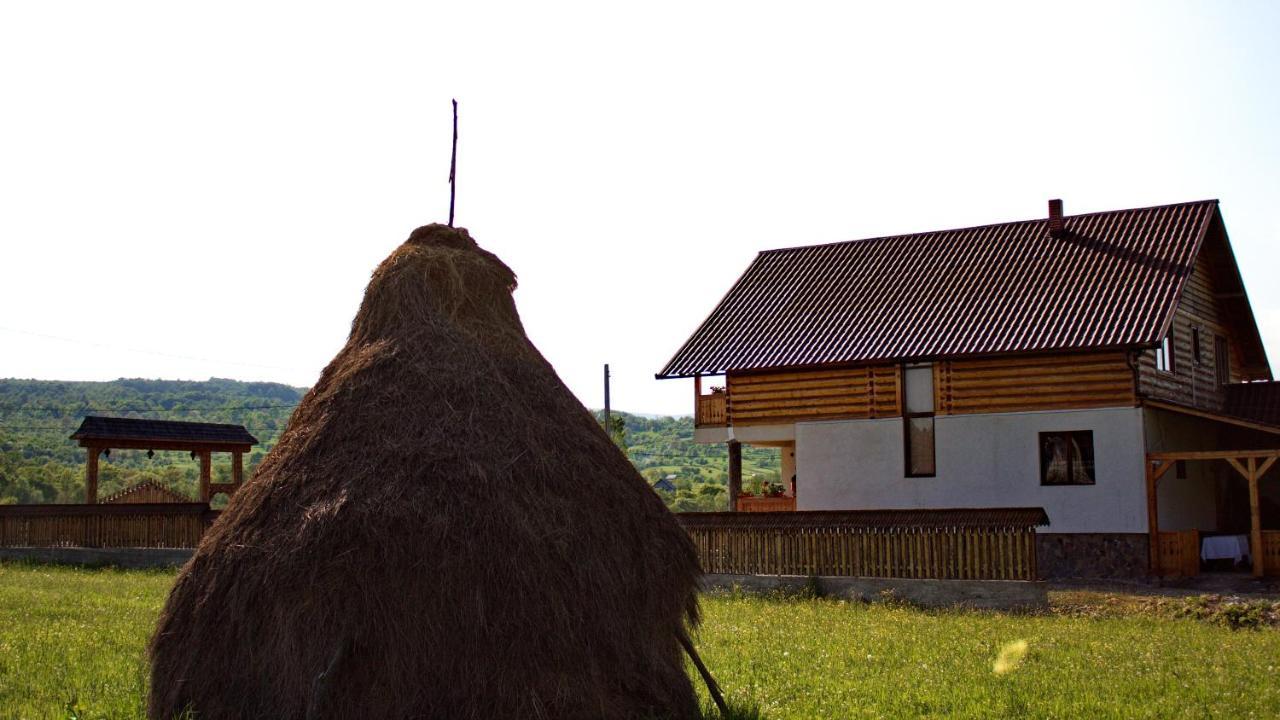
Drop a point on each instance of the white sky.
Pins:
(193, 191)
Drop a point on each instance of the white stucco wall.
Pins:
(982, 461)
(1191, 502)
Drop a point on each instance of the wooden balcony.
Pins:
(754, 503)
(710, 410)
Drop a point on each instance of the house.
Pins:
(1105, 367)
(665, 484)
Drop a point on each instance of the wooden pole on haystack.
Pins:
(453, 163)
(608, 424)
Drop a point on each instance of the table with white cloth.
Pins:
(1225, 547)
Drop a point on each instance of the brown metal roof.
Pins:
(1017, 517)
(107, 429)
(1110, 281)
(1256, 401)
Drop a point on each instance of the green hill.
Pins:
(662, 447)
(40, 464)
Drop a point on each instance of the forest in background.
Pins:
(40, 464)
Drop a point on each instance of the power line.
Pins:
(107, 346)
(135, 408)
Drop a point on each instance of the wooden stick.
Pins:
(453, 163)
(712, 687)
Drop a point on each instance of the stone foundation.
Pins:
(1061, 556)
(984, 594)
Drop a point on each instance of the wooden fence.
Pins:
(996, 544)
(1271, 552)
(149, 525)
(1178, 553)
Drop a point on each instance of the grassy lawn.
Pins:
(77, 636)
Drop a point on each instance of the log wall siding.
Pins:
(798, 396)
(1195, 383)
(1007, 384)
(1026, 383)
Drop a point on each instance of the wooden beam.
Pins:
(1160, 467)
(1262, 469)
(1245, 472)
(237, 468)
(91, 475)
(1213, 454)
(1255, 520)
(735, 474)
(206, 462)
(165, 445)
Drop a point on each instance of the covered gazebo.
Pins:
(1251, 464)
(100, 434)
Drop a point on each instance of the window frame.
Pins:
(907, 417)
(1069, 434)
(1167, 349)
(1196, 357)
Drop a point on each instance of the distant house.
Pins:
(665, 484)
(1106, 367)
(147, 491)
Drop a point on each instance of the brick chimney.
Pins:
(1056, 227)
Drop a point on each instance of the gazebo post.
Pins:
(237, 468)
(1153, 518)
(205, 466)
(91, 474)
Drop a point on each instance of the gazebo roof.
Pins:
(114, 430)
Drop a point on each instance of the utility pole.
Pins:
(608, 425)
(453, 163)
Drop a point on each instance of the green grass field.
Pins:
(71, 645)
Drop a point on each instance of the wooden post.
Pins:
(91, 474)
(735, 474)
(1255, 520)
(237, 468)
(205, 466)
(697, 400)
(1153, 519)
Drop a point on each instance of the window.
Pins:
(1221, 360)
(1066, 458)
(1195, 346)
(1164, 353)
(917, 419)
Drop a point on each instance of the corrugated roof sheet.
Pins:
(1257, 401)
(96, 427)
(1110, 281)
(1014, 517)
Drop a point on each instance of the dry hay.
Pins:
(443, 531)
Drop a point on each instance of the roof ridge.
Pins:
(985, 226)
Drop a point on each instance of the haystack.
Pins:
(443, 531)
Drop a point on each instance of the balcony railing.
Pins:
(711, 410)
(755, 503)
